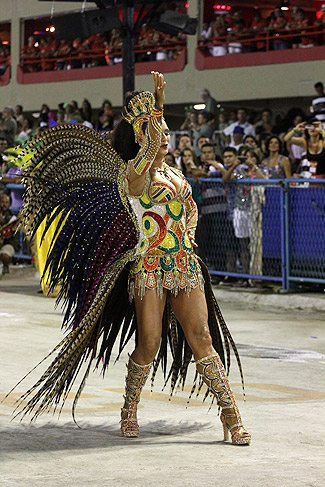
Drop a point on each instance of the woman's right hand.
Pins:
(300, 127)
(159, 86)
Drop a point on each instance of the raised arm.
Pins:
(191, 218)
(294, 137)
(150, 139)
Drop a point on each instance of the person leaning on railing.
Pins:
(244, 167)
(310, 136)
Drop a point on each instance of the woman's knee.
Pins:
(200, 336)
(148, 346)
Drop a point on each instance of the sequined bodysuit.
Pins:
(166, 216)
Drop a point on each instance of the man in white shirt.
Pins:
(237, 136)
(249, 129)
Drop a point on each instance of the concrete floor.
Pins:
(283, 361)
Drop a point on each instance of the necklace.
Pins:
(161, 170)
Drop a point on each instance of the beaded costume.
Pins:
(106, 242)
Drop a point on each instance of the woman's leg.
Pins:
(149, 311)
(192, 313)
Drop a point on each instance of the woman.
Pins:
(188, 162)
(127, 263)
(277, 165)
(312, 143)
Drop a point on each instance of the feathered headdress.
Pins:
(138, 110)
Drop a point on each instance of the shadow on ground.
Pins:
(68, 436)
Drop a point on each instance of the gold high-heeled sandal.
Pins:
(239, 436)
(214, 375)
(134, 382)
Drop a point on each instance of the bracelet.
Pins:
(294, 130)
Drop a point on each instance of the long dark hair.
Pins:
(122, 137)
(267, 144)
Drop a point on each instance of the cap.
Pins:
(238, 130)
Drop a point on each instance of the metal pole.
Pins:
(284, 215)
(128, 46)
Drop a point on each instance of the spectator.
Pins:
(295, 152)
(60, 117)
(211, 164)
(237, 137)
(4, 58)
(203, 129)
(8, 126)
(19, 113)
(76, 112)
(21, 135)
(62, 52)
(211, 105)
(184, 142)
(265, 124)
(86, 111)
(200, 142)
(277, 25)
(115, 47)
(206, 32)
(29, 55)
(251, 141)
(312, 143)
(28, 126)
(69, 114)
(257, 27)
(242, 122)
(190, 122)
(235, 45)
(8, 245)
(188, 166)
(297, 22)
(3, 148)
(222, 121)
(170, 160)
(262, 138)
(318, 103)
(219, 46)
(213, 221)
(245, 169)
(277, 165)
(105, 122)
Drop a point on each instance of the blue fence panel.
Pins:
(307, 231)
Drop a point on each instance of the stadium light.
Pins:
(199, 106)
(285, 5)
(221, 7)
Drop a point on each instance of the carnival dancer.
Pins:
(124, 258)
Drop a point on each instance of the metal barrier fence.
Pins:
(263, 229)
(257, 229)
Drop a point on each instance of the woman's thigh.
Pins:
(192, 313)
(149, 311)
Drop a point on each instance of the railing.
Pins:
(269, 39)
(280, 237)
(87, 57)
(277, 235)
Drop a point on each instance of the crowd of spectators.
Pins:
(231, 33)
(211, 144)
(4, 57)
(45, 53)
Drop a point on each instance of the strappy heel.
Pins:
(134, 382)
(239, 436)
(214, 375)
